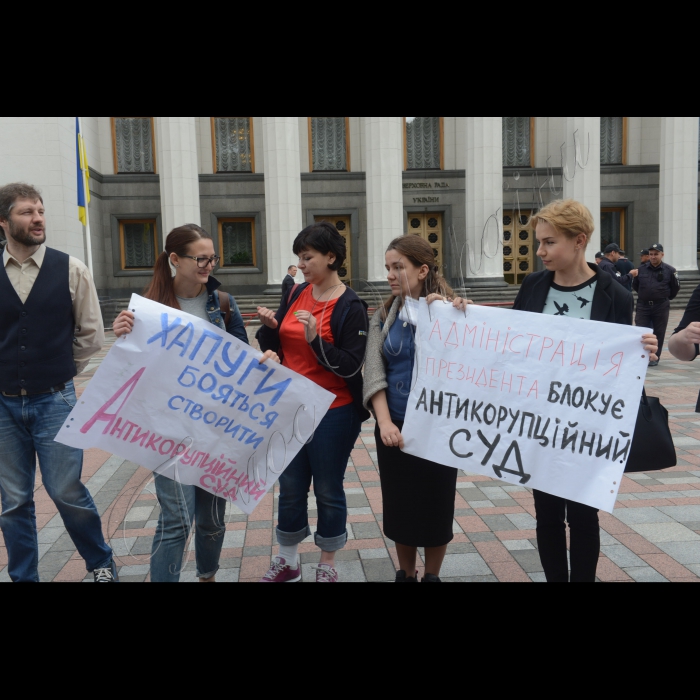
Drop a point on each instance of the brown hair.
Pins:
(419, 252)
(9, 194)
(567, 216)
(162, 287)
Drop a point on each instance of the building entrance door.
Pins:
(429, 227)
(612, 227)
(518, 246)
(343, 224)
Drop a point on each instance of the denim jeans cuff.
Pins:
(206, 577)
(288, 539)
(334, 544)
(106, 565)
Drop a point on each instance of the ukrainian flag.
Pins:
(83, 175)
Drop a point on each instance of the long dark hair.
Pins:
(162, 287)
(419, 252)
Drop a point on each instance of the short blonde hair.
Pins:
(568, 217)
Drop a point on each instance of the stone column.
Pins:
(282, 195)
(385, 212)
(176, 144)
(483, 256)
(678, 224)
(585, 182)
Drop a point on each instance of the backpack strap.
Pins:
(291, 294)
(225, 304)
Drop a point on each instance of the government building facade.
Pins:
(469, 185)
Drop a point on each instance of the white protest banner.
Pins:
(188, 401)
(534, 400)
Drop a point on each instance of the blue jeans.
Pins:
(180, 506)
(324, 461)
(28, 427)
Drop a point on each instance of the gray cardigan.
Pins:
(375, 364)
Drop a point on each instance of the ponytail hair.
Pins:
(162, 287)
(419, 253)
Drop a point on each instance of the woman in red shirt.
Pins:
(320, 331)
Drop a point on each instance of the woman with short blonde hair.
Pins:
(571, 287)
(568, 216)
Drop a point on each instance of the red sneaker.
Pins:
(281, 572)
(326, 574)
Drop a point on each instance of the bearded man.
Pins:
(50, 327)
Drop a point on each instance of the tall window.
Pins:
(139, 243)
(133, 143)
(612, 140)
(237, 243)
(424, 143)
(329, 143)
(517, 142)
(233, 144)
(612, 227)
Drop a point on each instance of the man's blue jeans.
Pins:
(323, 461)
(28, 427)
(179, 506)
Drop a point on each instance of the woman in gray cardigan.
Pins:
(419, 496)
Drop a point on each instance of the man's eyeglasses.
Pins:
(205, 262)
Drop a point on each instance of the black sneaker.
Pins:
(108, 575)
(429, 578)
(402, 578)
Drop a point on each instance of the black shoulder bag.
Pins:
(652, 447)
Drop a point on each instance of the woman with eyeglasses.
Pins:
(189, 251)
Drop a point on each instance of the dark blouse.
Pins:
(692, 315)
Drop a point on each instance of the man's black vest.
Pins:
(36, 338)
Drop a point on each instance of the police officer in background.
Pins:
(624, 267)
(657, 285)
(645, 257)
(611, 257)
(598, 258)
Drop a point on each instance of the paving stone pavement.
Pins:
(654, 535)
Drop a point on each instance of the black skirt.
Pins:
(419, 497)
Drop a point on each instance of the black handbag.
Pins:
(652, 446)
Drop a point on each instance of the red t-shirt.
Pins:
(297, 352)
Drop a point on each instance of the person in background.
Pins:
(190, 251)
(51, 326)
(321, 332)
(645, 257)
(624, 267)
(598, 258)
(657, 286)
(289, 281)
(611, 256)
(418, 495)
(564, 229)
